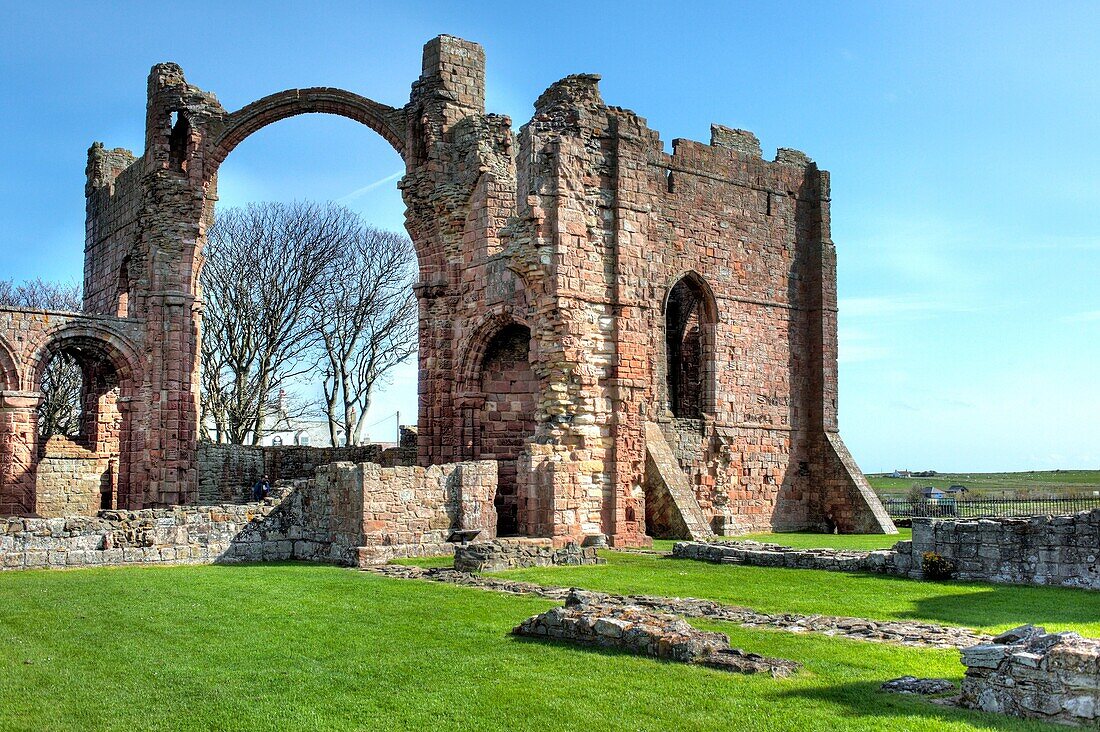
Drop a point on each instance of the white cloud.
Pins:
(369, 187)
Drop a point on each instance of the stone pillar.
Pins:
(450, 90)
(18, 451)
(179, 119)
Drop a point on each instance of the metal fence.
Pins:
(986, 507)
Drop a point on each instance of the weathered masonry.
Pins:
(612, 324)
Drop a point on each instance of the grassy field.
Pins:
(986, 607)
(318, 648)
(993, 485)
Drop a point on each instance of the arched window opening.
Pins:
(61, 409)
(304, 225)
(689, 320)
(507, 417)
(178, 142)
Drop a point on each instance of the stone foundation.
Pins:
(906, 633)
(1030, 673)
(644, 632)
(759, 554)
(1041, 550)
(504, 554)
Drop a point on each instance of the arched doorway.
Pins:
(506, 417)
(83, 426)
(690, 317)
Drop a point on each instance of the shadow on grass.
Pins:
(863, 699)
(1010, 605)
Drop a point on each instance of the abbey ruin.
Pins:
(642, 342)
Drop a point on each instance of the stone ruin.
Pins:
(499, 555)
(1030, 673)
(586, 621)
(1036, 550)
(643, 342)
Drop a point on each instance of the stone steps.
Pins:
(662, 464)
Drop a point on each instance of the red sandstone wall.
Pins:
(577, 229)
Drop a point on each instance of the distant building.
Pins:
(958, 489)
(933, 493)
(901, 474)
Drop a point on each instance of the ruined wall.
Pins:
(349, 514)
(113, 207)
(194, 535)
(1027, 672)
(73, 481)
(407, 511)
(1040, 550)
(228, 472)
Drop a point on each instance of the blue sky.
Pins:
(962, 140)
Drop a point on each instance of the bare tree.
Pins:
(367, 320)
(59, 411)
(40, 294)
(266, 269)
(62, 380)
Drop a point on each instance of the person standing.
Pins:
(261, 489)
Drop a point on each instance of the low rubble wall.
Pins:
(348, 515)
(180, 535)
(1030, 673)
(1040, 550)
(759, 554)
(585, 621)
(494, 556)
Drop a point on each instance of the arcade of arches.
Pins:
(570, 237)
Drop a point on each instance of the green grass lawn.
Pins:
(306, 647)
(974, 605)
(812, 540)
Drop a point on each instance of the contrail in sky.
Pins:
(369, 187)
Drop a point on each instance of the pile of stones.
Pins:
(584, 620)
(501, 554)
(1030, 673)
